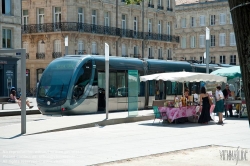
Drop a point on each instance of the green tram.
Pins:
(75, 84)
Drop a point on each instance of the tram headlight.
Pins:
(48, 102)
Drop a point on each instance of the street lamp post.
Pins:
(207, 48)
(143, 29)
(107, 78)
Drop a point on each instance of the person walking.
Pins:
(219, 105)
(205, 112)
(227, 93)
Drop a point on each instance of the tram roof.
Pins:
(168, 65)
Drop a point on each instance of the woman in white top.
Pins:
(219, 106)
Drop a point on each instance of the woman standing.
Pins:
(219, 106)
(204, 101)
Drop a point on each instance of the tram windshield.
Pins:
(56, 78)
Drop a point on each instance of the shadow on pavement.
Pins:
(181, 125)
(18, 135)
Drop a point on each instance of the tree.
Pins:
(132, 1)
(240, 11)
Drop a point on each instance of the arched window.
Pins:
(124, 50)
(40, 48)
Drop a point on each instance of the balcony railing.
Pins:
(150, 57)
(95, 53)
(160, 7)
(169, 58)
(135, 55)
(96, 29)
(27, 56)
(169, 9)
(124, 55)
(56, 54)
(151, 5)
(40, 55)
(80, 52)
(160, 58)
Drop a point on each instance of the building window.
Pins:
(222, 39)
(135, 26)
(193, 23)
(106, 19)
(202, 20)
(81, 46)
(222, 59)
(232, 39)
(160, 52)
(149, 25)
(192, 58)
(40, 48)
(94, 48)
(124, 50)
(183, 42)
(168, 28)
(232, 59)
(192, 42)
(39, 73)
(183, 22)
(212, 20)
(222, 18)
(212, 41)
(25, 17)
(124, 24)
(201, 59)
(94, 19)
(202, 41)
(6, 41)
(57, 18)
(26, 46)
(57, 46)
(40, 19)
(6, 7)
(136, 50)
(150, 52)
(159, 27)
(80, 15)
(213, 59)
(169, 54)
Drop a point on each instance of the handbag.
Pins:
(210, 101)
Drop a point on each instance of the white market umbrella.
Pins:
(184, 77)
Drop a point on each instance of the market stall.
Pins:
(233, 73)
(182, 108)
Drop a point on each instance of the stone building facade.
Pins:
(89, 24)
(10, 38)
(192, 18)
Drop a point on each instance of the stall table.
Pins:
(172, 113)
(227, 102)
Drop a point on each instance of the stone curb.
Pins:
(14, 113)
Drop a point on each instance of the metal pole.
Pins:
(142, 29)
(107, 78)
(207, 48)
(23, 91)
(116, 15)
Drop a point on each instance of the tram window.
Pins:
(82, 80)
(112, 84)
(141, 89)
(169, 87)
(122, 89)
(151, 88)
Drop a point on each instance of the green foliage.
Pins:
(128, 2)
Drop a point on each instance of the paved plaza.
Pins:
(112, 143)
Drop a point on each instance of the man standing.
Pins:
(227, 93)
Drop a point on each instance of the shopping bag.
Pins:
(212, 108)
